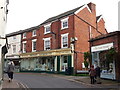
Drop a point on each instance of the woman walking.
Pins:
(92, 74)
(10, 70)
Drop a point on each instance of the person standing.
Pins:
(92, 74)
(10, 70)
(98, 71)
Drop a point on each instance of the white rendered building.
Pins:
(14, 48)
(3, 20)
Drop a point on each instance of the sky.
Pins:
(24, 14)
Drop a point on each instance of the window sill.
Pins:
(34, 35)
(64, 47)
(47, 33)
(33, 50)
(64, 28)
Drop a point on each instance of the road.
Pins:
(37, 80)
(42, 80)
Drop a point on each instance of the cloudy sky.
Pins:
(24, 14)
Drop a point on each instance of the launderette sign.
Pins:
(101, 47)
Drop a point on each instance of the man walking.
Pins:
(98, 71)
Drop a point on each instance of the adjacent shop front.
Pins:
(99, 58)
(105, 53)
(15, 59)
(47, 61)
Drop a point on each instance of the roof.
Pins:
(61, 15)
(48, 20)
(31, 28)
(104, 36)
(98, 17)
(22, 31)
(14, 33)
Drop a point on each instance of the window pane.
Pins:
(14, 48)
(24, 35)
(65, 41)
(24, 47)
(48, 29)
(65, 24)
(34, 45)
(47, 44)
(34, 32)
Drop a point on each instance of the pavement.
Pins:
(79, 79)
(85, 80)
(14, 84)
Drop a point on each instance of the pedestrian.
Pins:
(92, 74)
(10, 70)
(98, 71)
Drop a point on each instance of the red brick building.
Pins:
(60, 41)
(100, 47)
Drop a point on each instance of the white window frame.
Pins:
(64, 20)
(33, 44)
(45, 28)
(64, 35)
(25, 42)
(24, 36)
(46, 39)
(34, 33)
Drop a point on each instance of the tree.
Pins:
(111, 55)
(87, 58)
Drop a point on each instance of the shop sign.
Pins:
(101, 47)
(54, 53)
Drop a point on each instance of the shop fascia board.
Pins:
(56, 52)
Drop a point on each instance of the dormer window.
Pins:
(34, 33)
(24, 35)
(64, 23)
(47, 29)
